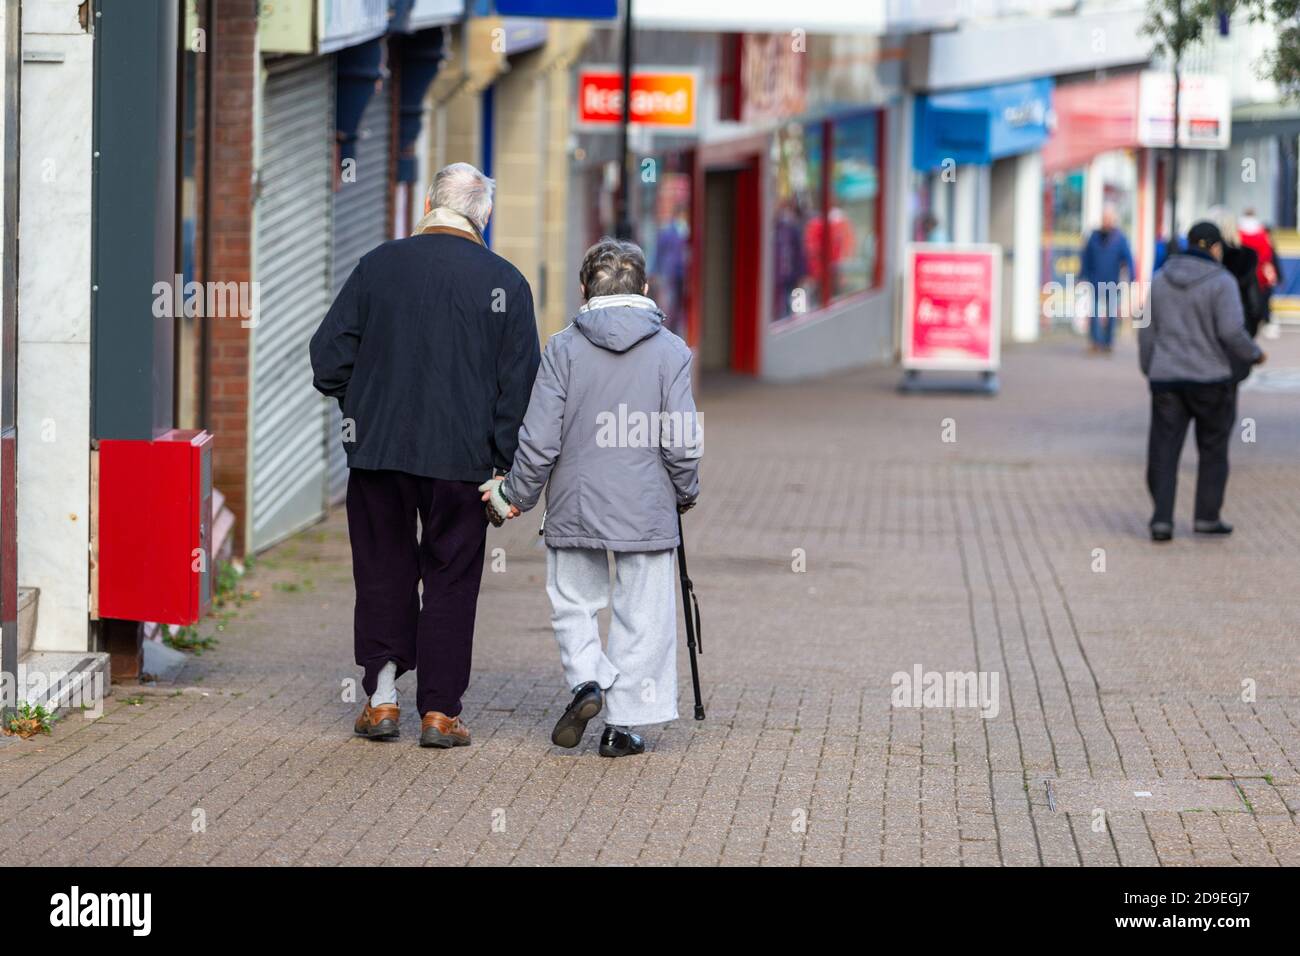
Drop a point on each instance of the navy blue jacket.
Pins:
(1103, 256)
(431, 349)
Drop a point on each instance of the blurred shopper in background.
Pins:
(672, 259)
(1164, 247)
(1194, 329)
(789, 265)
(1106, 256)
(931, 230)
(1243, 263)
(828, 247)
(1256, 237)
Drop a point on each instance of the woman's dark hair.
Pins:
(613, 267)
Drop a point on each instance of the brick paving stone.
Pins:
(982, 555)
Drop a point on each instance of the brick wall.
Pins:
(234, 71)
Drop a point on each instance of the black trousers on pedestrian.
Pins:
(1214, 409)
(433, 633)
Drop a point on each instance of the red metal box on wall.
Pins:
(154, 537)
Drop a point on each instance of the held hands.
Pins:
(498, 508)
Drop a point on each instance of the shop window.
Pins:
(664, 232)
(826, 241)
(1063, 227)
(855, 196)
(661, 211)
(799, 190)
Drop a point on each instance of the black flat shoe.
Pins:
(619, 743)
(1212, 527)
(587, 701)
(1160, 531)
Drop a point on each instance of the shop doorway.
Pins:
(731, 267)
(719, 277)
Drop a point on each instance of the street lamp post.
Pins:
(1173, 172)
(623, 207)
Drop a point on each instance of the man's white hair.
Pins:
(462, 188)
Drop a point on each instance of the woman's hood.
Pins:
(618, 322)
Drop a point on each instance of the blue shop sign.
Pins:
(522, 34)
(981, 125)
(556, 9)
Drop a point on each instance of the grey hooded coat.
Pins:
(611, 431)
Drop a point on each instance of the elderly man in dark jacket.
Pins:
(431, 349)
(1194, 330)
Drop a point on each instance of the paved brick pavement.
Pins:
(975, 555)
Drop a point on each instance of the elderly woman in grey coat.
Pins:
(612, 433)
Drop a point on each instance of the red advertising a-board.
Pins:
(951, 307)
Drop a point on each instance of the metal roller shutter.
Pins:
(292, 256)
(360, 224)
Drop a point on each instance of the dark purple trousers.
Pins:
(390, 559)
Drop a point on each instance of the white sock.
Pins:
(386, 687)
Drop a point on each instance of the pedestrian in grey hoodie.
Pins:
(612, 433)
(1194, 328)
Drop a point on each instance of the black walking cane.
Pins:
(691, 607)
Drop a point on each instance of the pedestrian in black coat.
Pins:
(1243, 262)
(431, 349)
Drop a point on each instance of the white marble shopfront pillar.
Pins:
(54, 321)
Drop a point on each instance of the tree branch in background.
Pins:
(1176, 25)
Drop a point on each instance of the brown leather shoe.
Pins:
(439, 730)
(378, 723)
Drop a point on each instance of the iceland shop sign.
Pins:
(663, 99)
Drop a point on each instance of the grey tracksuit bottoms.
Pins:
(638, 670)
